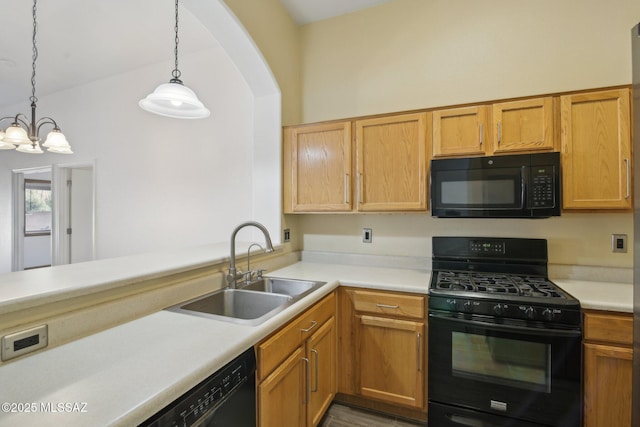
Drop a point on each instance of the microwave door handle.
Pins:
(512, 328)
(522, 188)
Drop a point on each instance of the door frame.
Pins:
(61, 242)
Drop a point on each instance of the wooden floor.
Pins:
(345, 416)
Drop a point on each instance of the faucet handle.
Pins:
(260, 271)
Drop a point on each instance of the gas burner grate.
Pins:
(497, 283)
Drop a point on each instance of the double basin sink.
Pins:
(251, 304)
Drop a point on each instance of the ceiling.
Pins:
(80, 41)
(306, 11)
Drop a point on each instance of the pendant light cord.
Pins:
(33, 97)
(176, 72)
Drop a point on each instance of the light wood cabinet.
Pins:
(389, 172)
(296, 369)
(460, 131)
(525, 125)
(317, 168)
(391, 163)
(608, 361)
(382, 350)
(501, 128)
(596, 150)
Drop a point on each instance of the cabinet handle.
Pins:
(499, 132)
(315, 352)
(387, 306)
(628, 169)
(418, 353)
(307, 394)
(481, 134)
(313, 325)
(360, 198)
(346, 188)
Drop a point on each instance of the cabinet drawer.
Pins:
(389, 304)
(276, 348)
(608, 327)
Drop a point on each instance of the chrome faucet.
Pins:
(234, 275)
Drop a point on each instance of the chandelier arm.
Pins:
(22, 119)
(43, 121)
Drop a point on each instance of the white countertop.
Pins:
(123, 375)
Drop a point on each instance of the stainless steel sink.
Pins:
(278, 285)
(251, 305)
(236, 305)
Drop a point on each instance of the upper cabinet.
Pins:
(391, 163)
(317, 168)
(596, 150)
(388, 173)
(501, 128)
(460, 131)
(381, 164)
(525, 125)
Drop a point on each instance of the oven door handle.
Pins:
(469, 422)
(512, 328)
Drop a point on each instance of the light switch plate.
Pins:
(367, 235)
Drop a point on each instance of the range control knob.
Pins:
(498, 309)
(467, 306)
(548, 314)
(530, 312)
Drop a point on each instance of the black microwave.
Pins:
(513, 186)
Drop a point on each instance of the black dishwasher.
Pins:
(226, 398)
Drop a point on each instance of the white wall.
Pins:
(160, 183)
(409, 54)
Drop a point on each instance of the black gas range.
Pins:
(501, 277)
(504, 340)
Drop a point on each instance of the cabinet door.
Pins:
(281, 396)
(596, 150)
(525, 125)
(317, 168)
(321, 352)
(392, 163)
(389, 360)
(607, 388)
(460, 131)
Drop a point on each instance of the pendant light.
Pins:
(174, 99)
(24, 135)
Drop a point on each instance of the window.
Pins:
(37, 207)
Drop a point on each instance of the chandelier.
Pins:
(174, 99)
(24, 134)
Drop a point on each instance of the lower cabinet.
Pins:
(382, 347)
(608, 361)
(297, 369)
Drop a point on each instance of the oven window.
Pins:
(516, 363)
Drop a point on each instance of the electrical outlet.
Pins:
(619, 243)
(19, 343)
(367, 235)
(287, 235)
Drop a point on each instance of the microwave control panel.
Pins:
(542, 187)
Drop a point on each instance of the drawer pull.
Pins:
(313, 325)
(387, 306)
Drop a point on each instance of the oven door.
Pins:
(518, 370)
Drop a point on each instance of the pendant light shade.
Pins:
(56, 142)
(174, 99)
(16, 135)
(30, 148)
